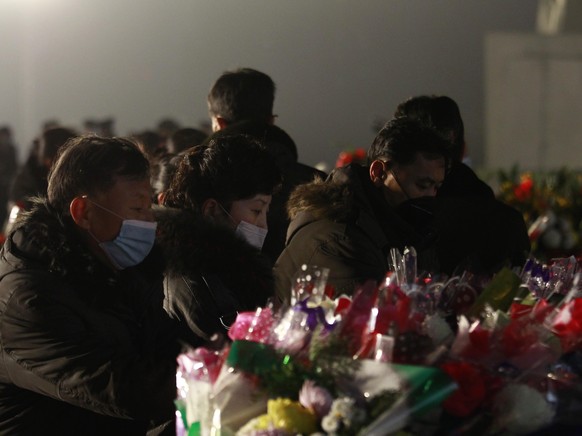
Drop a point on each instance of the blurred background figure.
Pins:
(8, 166)
(31, 178)
(151, 143)
(184, 138)
(167, 127)
(105, 127)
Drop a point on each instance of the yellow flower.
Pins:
(284, 414)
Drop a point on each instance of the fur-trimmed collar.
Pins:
(335, 198)
(44, 236)
(348, 195)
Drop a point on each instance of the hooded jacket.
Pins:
(83, 349)
(211, 275)
(346, 225)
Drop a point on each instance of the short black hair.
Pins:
(90, 164)
(242, 94)
(265, 133)
(441, 113)
(401, 138)
(227, 169)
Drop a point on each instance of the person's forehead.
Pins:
(423, 163)
(126, 188)
(259, 199)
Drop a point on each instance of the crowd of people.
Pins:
(119, 253)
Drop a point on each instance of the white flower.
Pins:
(521, 409)
(438, 329)
(330, 424)
(343, 407)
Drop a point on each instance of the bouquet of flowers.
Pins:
(551, 203)
(461, 355)
(320, 366)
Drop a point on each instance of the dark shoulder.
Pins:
(463, 181)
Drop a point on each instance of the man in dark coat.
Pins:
(477, 232)
(350, 222)
(85, 345)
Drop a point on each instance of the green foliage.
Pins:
(327, 361)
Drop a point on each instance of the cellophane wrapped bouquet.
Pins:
(411, 355)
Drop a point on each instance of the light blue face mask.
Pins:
(132, 245)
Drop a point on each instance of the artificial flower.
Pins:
(285, 415)
(471, 388)
(520, 409)
(252, 326)
(315, 398)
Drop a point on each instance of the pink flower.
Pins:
(315, 398)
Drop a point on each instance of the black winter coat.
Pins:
(83, 350)
(476, 231)
(211, 275)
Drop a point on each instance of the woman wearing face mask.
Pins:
(212, 229)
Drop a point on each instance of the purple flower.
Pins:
(316, 398)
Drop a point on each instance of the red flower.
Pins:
(471, 389)
(523, 191)
(347, 157)
(568, 325)
(360, 154)
(343, 159)
(518, 337)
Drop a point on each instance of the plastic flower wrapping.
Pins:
(410, 355)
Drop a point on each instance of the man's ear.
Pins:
(218, 123)
(79, 212)
(161, 197)
(377, 173)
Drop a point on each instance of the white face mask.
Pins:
(254, 235)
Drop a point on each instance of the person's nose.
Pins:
(262, 221)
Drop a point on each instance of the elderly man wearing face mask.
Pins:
(212, 229)
(349, 222)
(85, 345)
